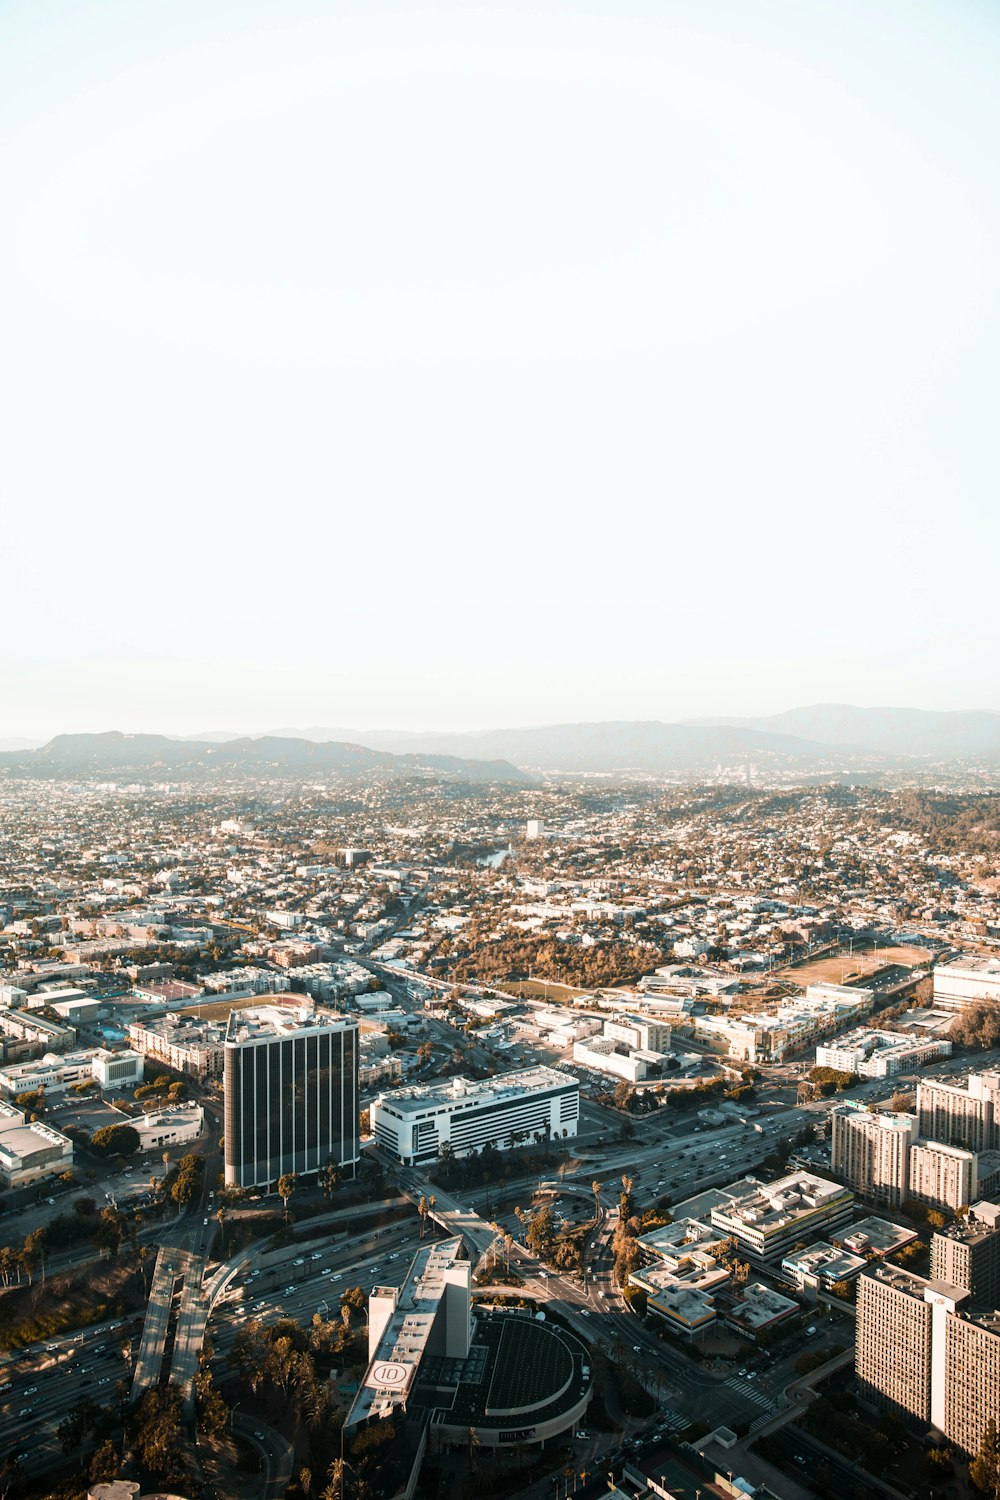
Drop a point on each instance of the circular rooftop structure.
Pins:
(524, 1381)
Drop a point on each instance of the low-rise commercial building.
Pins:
(819, 1267)
(767, 1220)
(758, 1310)
(175, 1126)
(680, 1289)
(56, 1072)
(30, 1152)
(39, 1031)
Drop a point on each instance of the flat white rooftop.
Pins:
(463, 1092)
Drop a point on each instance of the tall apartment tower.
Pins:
(892, 1358)
(967, 1254)
(291, 1093)
(918, 1353)
(944, 1176)
(968, 1117)
(871, 1152)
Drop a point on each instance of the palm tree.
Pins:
(220, 1214)
(334, 1489)
(422, 1211)
(596, 1189)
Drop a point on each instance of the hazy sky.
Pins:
(385, 365)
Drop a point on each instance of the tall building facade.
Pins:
(871, 1152)
(291, 1093)
(892, 1357)
(967, 1254)
(968, 1117)
(944, 1176)
(920, 1354)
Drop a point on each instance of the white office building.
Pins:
(58, 1071)
(462, 1115)
(972, 977)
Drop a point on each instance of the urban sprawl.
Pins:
(403, 1135)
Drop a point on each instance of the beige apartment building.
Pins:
(943, 1176)
(972, 1379)
(967, 1254)
(871, 1152)
(968, 1117)
(187, 1045)
(918, 1353)
(892, 1357)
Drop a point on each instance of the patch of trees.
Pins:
(158, 1439)
(949, 821)
(696, 1095)
(984, 1470)
(32, 1101)
(115, 1140)
(832, 1080)
(183, 1182)
(472, 954)
(175, 1089)
(492, 1165)
(284, 1371)
(977, 1026)
(562, 1248)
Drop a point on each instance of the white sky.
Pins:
(383, 365)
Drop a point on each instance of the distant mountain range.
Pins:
(810, 737)
(71, 755)
(884, 731)
(825, 737)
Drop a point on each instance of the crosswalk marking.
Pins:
(748, 1389)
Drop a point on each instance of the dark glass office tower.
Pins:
(291, 1091)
